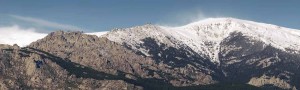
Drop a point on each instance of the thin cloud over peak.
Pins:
(45, 23)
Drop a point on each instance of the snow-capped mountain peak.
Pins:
(219, 28)
(214, 30)
(205, 36)
(231, 22)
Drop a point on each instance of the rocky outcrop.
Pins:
(18, 71)
(267, 80)
(106, 56)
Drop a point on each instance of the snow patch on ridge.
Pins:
(99, 34)
(134, 36)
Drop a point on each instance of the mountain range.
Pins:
(215, 53)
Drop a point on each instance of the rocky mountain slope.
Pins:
(223, 51)
(18, 70)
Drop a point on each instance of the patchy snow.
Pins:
(133, 36)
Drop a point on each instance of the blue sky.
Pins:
(103, 15)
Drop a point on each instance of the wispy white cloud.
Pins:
(186, 17)
(189, 17)
(46, 23)
(15, 35)
(183, 17)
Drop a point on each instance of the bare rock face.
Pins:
(18, 70)
(91, 51)
(267, 80)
